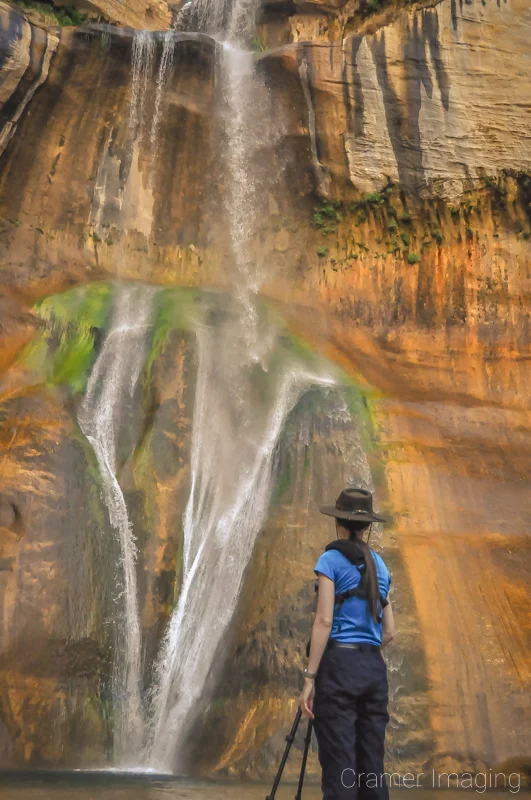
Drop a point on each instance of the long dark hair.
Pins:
(355, 530)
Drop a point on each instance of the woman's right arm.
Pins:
(320, 633)
(388, 625)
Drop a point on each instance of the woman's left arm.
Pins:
(320, 634)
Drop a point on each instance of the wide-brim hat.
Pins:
(353, 505)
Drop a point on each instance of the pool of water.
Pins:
(113, 786)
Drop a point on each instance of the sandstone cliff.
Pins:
(397, 244)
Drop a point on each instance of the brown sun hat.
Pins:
(353, 504)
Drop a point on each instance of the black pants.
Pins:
(350, 708)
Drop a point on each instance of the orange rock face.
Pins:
(397, 245)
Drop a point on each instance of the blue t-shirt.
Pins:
(357, 625)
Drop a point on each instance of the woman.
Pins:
(345, 684)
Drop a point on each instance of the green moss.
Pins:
(72, 361)
(86, 306)
(322, 252)
(64, 16)
(404, 235)
(373, 198)
(63, 351)
(437, 235)
(413, 258)
(173, 310)
(326, 215)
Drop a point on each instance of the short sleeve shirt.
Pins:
(357, 625)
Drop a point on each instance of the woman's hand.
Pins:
(306, 698)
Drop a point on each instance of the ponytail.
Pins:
(373, 590)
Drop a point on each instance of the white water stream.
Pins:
(112, 384)
(143, 52)
(235, 433)
(233, 444)
(165, 64)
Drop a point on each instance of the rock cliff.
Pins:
(397, 246)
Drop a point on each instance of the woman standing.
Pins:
(345, 684)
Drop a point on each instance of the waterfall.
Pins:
(235, 433)
(166, 59)
(231, 20)
(143, 55)
(240, 89)
(233, 444)
(142, 58)
(104, 409)
(111, 385)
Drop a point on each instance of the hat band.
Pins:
(354, 510)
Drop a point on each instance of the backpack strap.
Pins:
(361, 592)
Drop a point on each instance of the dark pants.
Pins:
(350, 708)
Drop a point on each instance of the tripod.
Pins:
(289, 741)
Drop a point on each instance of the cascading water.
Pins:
(230, 20)
(113, 381)
(166, 60)
(233, 444)
(142, 57)
(236, 427)
(235, 433)
(102, 413)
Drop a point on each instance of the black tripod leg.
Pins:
(307, 741)
(289, 741)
